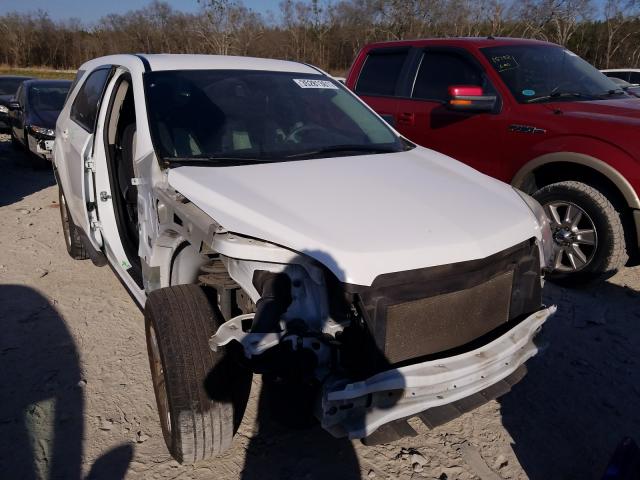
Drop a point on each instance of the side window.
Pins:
(380, 72)
(439, 70)
(79, 75)
(86, 104)
(621, 75)
(634, 77)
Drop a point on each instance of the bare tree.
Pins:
(327, 33)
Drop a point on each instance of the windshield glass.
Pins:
(540, 73)
(9, 86)
(47, 98)
(255, 116)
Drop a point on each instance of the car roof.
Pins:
(162, 62)
(14, 77)
(47, 83)
(479, 42)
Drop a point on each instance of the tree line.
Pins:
(322, 32)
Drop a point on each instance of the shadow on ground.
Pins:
(582, 394)
(22, 175)
(41, 394)
(277, 451)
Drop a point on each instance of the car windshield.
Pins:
(220, 116)
(541, 73)
(47, 97)
(9, 86)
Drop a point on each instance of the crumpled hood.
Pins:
(362, 216)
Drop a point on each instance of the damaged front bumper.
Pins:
(357, 410)
(41, 145)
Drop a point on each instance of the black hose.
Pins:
(275, 298)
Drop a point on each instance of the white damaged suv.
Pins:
(269, 222)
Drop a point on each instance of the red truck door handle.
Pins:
(407, 118)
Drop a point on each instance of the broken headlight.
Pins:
(545, 228)
(42, 131)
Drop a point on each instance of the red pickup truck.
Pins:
(529, 113)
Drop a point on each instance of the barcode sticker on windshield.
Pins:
(307, 83)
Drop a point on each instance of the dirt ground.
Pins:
(76, 399)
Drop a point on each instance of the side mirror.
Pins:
(470, 98)
(14, 105)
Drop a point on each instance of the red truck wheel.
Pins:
(587, 231)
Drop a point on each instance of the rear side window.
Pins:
(621, 75)
(634, 77)
(380, 72)
(440, 70)
(85, 106)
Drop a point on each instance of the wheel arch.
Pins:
(561, 166)
(174, 261)
(185, 264)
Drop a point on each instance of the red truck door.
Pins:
(423, 116)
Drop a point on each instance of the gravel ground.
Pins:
(76, 399)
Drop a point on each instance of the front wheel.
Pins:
(587, 232)
(201, 394)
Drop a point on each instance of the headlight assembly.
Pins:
(4, 109)
(42, 131)
(548, 250)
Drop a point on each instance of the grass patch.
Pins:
(38, 72)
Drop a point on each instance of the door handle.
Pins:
(407, 119)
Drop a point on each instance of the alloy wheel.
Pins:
(574, 234)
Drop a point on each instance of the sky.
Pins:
(91, 10)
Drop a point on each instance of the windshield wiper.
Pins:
(212, 161)
(344, 149)
(616, 91)
(554, 95)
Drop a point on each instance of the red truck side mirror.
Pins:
(470, 98)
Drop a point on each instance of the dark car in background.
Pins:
(33, 114)
(8, 88)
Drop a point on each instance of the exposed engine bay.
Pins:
(454, 335)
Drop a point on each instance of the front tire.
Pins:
(72, 239)
(588, 234)
(201, 394)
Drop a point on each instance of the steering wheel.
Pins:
(294, 135)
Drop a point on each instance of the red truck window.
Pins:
(380, 72)
(439, 70)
